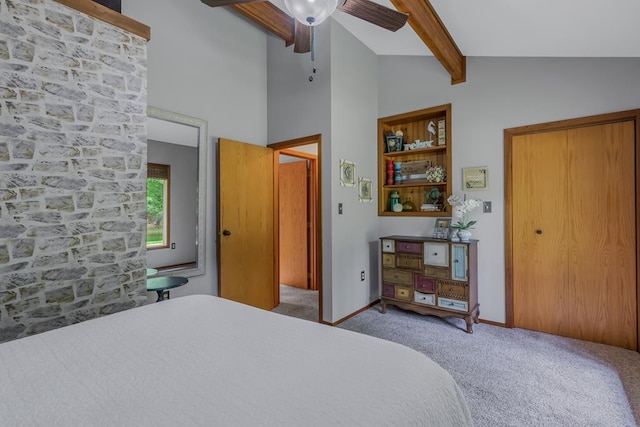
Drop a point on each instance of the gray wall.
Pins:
(183, 207)
(341, 103)
(72, 181)
(206, 63)
(500, 93)
(297, 108)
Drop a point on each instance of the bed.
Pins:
(203, 360)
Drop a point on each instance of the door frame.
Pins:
(284, 147)
(509, 134)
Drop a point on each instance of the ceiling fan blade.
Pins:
(375, 13)
(302, 38)
(217, 3)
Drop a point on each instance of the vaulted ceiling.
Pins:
(453, 29)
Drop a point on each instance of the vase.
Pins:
(464, 235)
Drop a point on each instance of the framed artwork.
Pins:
(394, 143)
(476, 178)
(347, 173)
(441, 228)
(364, 190)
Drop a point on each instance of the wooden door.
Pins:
(293, 228)
(539, 206)
(574, 233)
(245, 223)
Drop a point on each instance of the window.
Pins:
(158, 180)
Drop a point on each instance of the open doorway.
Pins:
(297, 205)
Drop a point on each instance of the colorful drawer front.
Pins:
(397, 276)
(436, 254)
(459, 265)
(409, 247)
(453, 304)
(438, 273)
(428, 299)
(424, 284)
(403, 293)
(388, 291)
(449, 289)
(388, 260)
(409, 262)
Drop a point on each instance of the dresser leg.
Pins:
(384, 306)
(469, 322)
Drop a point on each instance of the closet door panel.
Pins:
(540, 296)
(602, 233)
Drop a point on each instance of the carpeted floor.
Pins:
(296, 302)
(515, 377)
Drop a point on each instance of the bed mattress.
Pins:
(202, 360)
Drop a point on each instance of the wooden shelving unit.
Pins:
(414, 127)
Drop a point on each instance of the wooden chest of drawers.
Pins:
(431, 276)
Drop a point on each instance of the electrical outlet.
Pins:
(362, 276)
(486, 207)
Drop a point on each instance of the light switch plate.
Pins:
(486, 207)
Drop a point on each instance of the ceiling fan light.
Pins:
(311, 12)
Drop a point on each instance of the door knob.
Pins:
(538, 231)
(226, 233)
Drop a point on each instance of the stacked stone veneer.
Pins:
(72, 168)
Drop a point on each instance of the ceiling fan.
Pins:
(310, 13)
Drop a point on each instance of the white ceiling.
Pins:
(561, 28)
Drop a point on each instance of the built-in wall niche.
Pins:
(111, 4)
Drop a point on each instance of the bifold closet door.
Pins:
(574, 233)
(539, 232)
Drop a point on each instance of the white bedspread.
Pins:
(202, 360)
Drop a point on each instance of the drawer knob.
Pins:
(456, 260)
(435, 254)
(538, 231)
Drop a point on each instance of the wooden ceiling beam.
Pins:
(427, 24)
(269, 17)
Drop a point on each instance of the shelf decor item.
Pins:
(397, 172)
(389, 172)
(394, 143)
(441, 228)
(461, 210)
(436, 174)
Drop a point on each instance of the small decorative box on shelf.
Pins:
(431, 277)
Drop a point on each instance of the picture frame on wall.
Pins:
(365, 190)
(475, 178)
(347, 173)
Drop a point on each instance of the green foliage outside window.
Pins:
(156, 195)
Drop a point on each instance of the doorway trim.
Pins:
(284, 147)
(509, 134)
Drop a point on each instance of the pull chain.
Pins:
(313, 50)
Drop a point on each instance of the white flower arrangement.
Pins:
(462, 208)
(436, 174)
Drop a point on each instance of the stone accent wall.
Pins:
(72, 168)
